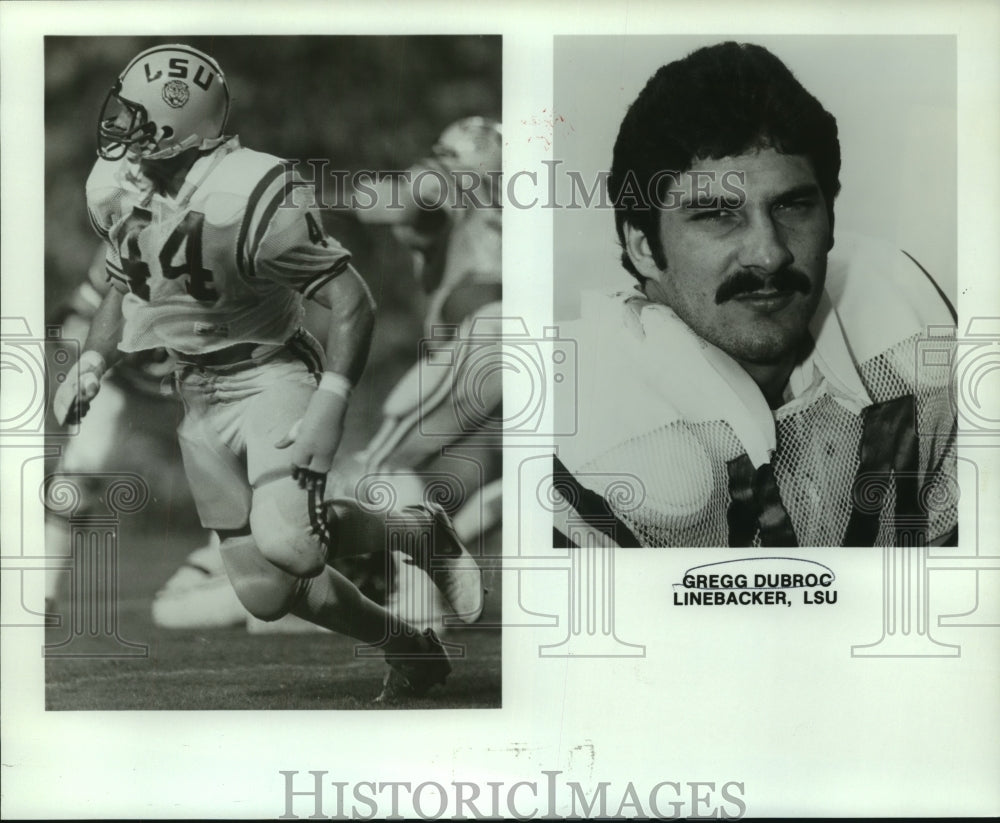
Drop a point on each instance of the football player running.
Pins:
(445, 210)
(211, 258)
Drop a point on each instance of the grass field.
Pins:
(231, 669)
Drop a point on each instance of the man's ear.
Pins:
(639, 252)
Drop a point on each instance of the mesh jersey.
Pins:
(881, 473)
(689, 487)
(226, 261)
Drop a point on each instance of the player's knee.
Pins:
(265, 590)
(266, 598)
(280, 526)
(297, 553)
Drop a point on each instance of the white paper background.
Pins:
(771, 700)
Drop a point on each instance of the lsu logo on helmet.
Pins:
(167, 100)
(176, 93)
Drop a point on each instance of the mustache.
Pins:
(747, 282)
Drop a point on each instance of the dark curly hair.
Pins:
(719, 101)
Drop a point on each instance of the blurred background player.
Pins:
(445, 209)
(211, 257)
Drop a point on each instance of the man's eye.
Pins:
(714, 215)
(797, 205)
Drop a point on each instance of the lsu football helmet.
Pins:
(471, 144)
(168, 99)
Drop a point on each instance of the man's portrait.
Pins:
(760, 281)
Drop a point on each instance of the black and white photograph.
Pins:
(755, 276)
(259, 249)
(499, 410)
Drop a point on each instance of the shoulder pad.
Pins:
(104, 195)
(238, 184)
(241, 171)
(881, 295)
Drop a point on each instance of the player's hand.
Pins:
(314, 439)
(72, 400)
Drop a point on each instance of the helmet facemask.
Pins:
(123, 123)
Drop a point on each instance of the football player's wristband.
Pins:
(94, 362)
(335, 384)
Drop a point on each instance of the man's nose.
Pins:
(765, 247)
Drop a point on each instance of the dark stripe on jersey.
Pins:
(115, 273)
(98, 229)
(889, 456)
(941, 294)
(265, 221)
(592, 508)
(255, 195)
(325, 276)
(303, 349)
(755, 506)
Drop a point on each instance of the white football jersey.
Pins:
(674, 444)
(226, 261)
